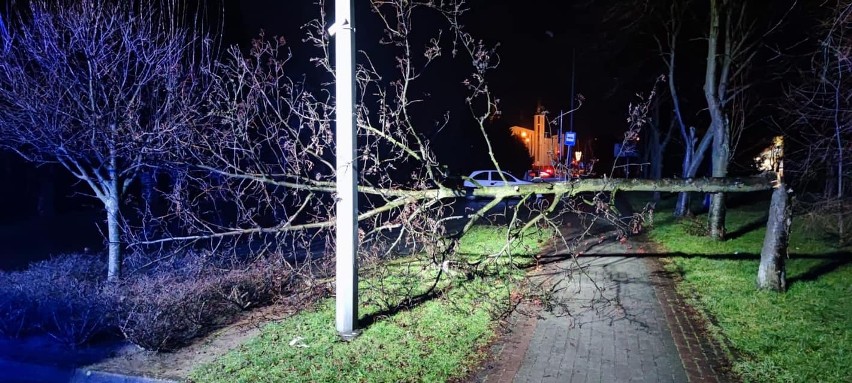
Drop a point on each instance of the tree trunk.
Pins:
(721, 158)
(716, 216)
(714, 90)
(702, 185)
(771, 274)
(45, 205)
(113, 236)
(656, 146)
(693, 157)
(830, 182)
(148, 181)
(682, 206)
(657, 172)
(113, 188)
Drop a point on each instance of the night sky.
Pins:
(615, 58)
(536, 42)
(535, 46)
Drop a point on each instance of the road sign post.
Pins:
(570, 138)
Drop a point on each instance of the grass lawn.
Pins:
(803, 335)
(437, 340)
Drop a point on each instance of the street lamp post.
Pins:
(346, 222)
(571, 117)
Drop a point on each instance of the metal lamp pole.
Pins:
(346, 228)
(571, 117)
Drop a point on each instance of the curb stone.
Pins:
(83, 375)
(21, 372)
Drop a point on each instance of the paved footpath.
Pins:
(612, 317)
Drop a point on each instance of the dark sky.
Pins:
(536, 39)
(611, 42)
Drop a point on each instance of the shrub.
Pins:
(61, 297)
(257, 284)
(16, 309)
(161, 307)
(164, 312)
(832, 217)
(190, 295)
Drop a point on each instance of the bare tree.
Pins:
(723, 47)
(98, 87)
(261, 172)
(656, 142)
(732, 43)
(693, 151)
(818, 110)
(258, 176)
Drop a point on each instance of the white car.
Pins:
(491, 178)
(485, 178)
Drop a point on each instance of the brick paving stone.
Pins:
(703, 356)
(619, 320)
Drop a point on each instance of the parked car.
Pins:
(491, 178)
(541, 172)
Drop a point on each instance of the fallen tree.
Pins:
(259, 178)
(772, 270)
(706, 185)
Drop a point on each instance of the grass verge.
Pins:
(803, 335)
(438, 339)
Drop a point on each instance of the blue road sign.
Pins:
(570, 138)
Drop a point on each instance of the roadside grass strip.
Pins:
(438, 338)
(803, 335)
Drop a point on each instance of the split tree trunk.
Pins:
(771, 274)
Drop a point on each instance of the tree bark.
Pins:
(114, 238)
(714, 85)
(656, 147)
(148, 181)
(682, 206)
(703, 185)
(716, 216)
(771, 274)
(113, 189)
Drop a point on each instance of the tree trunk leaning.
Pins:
(771, 274)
